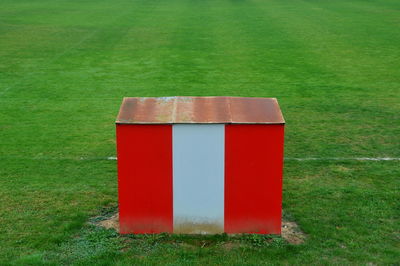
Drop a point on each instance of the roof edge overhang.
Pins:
(200, 110)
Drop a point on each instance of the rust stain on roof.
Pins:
(202, 110)
(199, 110)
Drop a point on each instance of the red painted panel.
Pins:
(253, 178)
(145, 178)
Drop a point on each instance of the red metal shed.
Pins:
(200, 165)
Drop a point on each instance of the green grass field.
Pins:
(65, 66)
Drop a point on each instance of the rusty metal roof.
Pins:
(199, 110)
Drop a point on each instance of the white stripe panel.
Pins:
(198, 178)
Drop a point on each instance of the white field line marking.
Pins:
(113, 158)
(343, 159)
(326, 159)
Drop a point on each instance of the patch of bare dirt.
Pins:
(292, 233)
(290, 230)
(111, 222)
